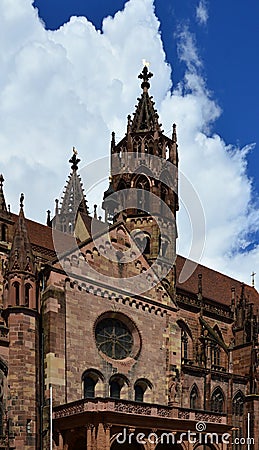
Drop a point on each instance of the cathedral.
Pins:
(108, 338)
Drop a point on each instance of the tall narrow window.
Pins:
(139, 393)
(89, 387)
(184, 346)
(217, 401)
(115, 389)
(215, 355)
(16, 286)
(194, 397)
(237, 419)
(4, 233)
(238, 404)
(27, 294)
(142, 187)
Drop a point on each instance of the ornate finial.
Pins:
(95, 211)
(200, 283)
(1, 180)
(21, 200)
(145, 75)
(74, 160)
(174, 135)
(113, 139)
(145, 63)
(48, 218)
(253, 278)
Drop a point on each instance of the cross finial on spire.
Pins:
(74, 160)
(21, 200)
(253, 278)
(145, 75)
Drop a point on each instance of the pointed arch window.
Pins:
(215, 355)
(184, 345)
(217, 401)
(238, 404)
(16, 286)
(27, 294)
(143, 242)
(143, 187)
(237, 418)
(186, 340)
(194, 398)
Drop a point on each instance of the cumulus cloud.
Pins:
(202, 14)
(73, 86)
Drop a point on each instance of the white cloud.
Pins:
(75, 85)
(202, 14)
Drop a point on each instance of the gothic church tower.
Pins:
(143, 184)
(22, 318)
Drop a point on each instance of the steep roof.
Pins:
(215, 285)
(74, 197)
(21, 257)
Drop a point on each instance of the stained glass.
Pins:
(113, 338)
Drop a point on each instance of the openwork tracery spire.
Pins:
(145, 117)
(73, 199)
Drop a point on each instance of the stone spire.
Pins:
(72, 201)
(2, 198)
(145, 117)
(21, 258)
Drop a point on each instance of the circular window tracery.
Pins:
(114, 338)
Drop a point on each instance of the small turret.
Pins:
(20, 268)
(73, 200)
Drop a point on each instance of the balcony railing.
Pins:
(135, 408)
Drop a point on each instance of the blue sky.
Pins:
(227, 44)
(74, 85)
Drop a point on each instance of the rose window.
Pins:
(113, 338)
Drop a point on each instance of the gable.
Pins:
(114, 260)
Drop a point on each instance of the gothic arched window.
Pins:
(27, 294)
(238, 404)
(143, 187)
(186, 340)
(217, 401)
(215, 355)
(184, 345)
(237, 418)
(143, 242)
(194, 398)
(16, 286)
